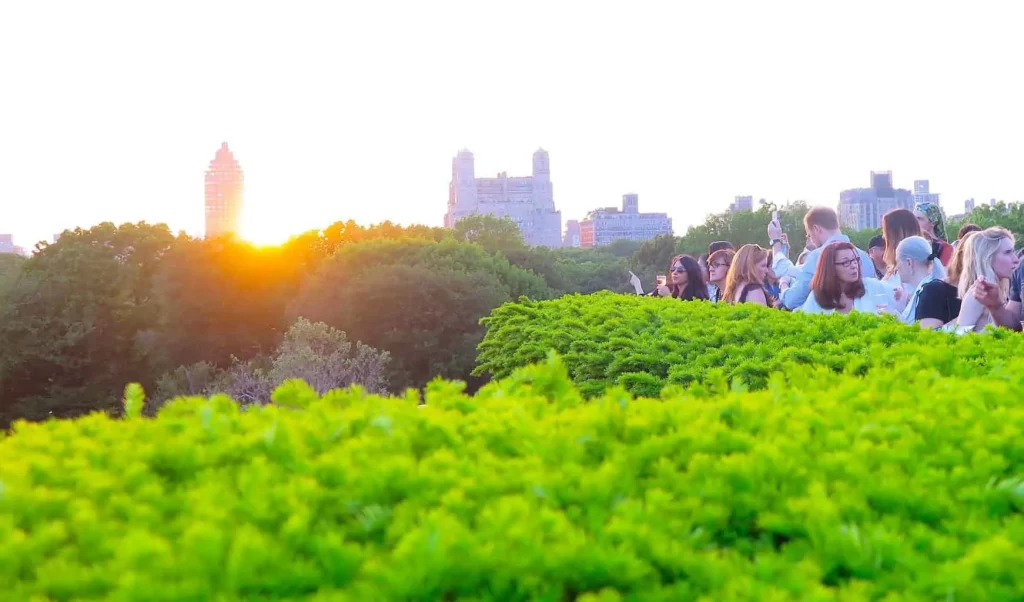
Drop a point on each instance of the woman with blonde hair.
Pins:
(989, 256)
(955, 263)
(745, 282)
(897, 225)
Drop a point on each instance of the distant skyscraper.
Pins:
(6, 243)
(923, 194)
(225, 185)
(605, 226)
(863, 208)
(969, 205)
(742, 203)
(571, 238)
(528, 201)
(881, 182)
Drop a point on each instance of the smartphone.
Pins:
(775, 218)
(661, 279)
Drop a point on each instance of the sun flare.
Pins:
(264, 230)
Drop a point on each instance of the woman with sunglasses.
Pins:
(719, 264)
(685, 280)
(839, 287)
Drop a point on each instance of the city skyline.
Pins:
(355, 114)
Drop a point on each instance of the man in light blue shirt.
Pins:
(822, 226)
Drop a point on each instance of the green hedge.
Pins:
(646, 343)
(907, 486)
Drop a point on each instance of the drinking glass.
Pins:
(881, 302)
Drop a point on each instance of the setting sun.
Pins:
(263, 229)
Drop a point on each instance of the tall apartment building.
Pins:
(742, 203)
(604, 226)
(969, 205)
(571, 238)
(923, 194)
(527, 200)
(863, 208)
(6, 243)
(225, 185)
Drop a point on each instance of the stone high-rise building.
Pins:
(742, 203)
(605, 226)
(527, 200)
(225, 185)
(863, 208)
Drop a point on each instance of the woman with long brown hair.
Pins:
(685, 281)
(838, 285)
(897, 225)
(745, 282)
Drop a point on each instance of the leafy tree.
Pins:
(418, 300)
(862, 238)
(1006, 215)
(219, 299)
(310, 248)
(623, 248)
(313, 352)
(745, 227)
(652, 258)
(325, 359)
(490, 232)
(69, 322)
(10, 268)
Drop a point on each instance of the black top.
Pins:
(753, 286)
(938, 301)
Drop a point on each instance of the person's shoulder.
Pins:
(810, 305)
(939, 286)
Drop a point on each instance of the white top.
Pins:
(973, 315)
(800, 289)
(876, 293)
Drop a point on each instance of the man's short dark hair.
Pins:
(967, 229)
(719, 245)
(877, 241)
(823, 217)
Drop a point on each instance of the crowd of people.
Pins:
(910, 271)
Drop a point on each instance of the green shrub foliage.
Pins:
(904, 486)
(646, 343)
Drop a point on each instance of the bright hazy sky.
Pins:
(111, 111)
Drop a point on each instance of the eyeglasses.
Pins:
(677, 268)
(720, 265)
(848, 262)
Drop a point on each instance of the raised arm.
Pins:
(987, 295)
